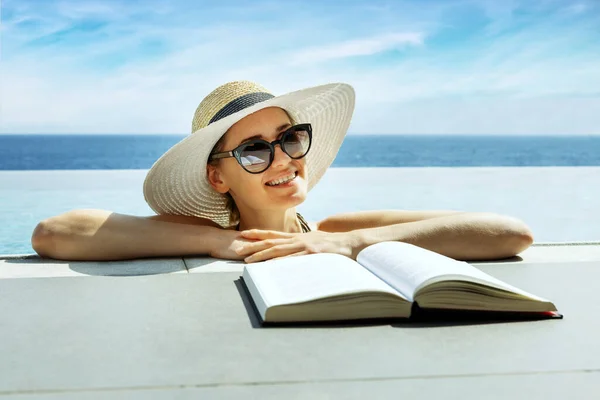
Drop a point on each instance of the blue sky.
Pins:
(449, 67)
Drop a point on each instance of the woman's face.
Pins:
(256, 191)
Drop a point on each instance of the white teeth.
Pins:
(279, 181)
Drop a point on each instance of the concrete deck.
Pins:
(184, 328)
(32, 266)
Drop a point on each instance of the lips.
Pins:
(282, 179)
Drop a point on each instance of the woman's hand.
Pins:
(273, 244)
(227, 244)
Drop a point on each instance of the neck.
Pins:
(282, 221)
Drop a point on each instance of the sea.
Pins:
(127, 151)
(27, 198)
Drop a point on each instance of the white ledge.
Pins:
(32, 266)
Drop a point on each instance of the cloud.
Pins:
(451, 67)
(576, 8)
(548, 115)
(357, 47)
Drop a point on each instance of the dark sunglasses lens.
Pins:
(296, 143)
(256, 157)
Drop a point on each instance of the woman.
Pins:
(230, 190)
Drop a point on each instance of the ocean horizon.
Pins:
(140, 151)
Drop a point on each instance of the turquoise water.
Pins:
(28, 197)
(559, 204)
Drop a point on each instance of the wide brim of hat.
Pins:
(177, 183)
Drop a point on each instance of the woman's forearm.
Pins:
(465, 236)
(103, 235)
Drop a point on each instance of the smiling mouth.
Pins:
(282, 183)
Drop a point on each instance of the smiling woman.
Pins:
(230, 190)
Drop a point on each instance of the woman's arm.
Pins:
(459, 235)
(350, 221)
(103, 235)
(462, 236)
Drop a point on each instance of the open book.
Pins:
(387, 279)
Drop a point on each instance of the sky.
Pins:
(418, 67)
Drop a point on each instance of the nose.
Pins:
(280, 158)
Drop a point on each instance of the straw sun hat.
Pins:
(177, 183)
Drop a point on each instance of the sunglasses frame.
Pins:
(237, 152)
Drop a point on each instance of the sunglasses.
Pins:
(257, 155)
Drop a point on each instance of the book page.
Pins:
(310, 277)
(408, 268)
(404, 266)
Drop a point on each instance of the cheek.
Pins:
(301, 164)
(243, 183)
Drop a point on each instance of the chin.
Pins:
(293, 200)
(299, 199)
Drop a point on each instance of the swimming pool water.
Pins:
(559, 204)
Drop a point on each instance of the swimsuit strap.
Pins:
(303, 224)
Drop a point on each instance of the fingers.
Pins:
(253, 247)
(274, 252)
(262, 234)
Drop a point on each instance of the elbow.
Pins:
(54, 237)
(518, 243)
(508, 236)
(517, 238)
(43, 239)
